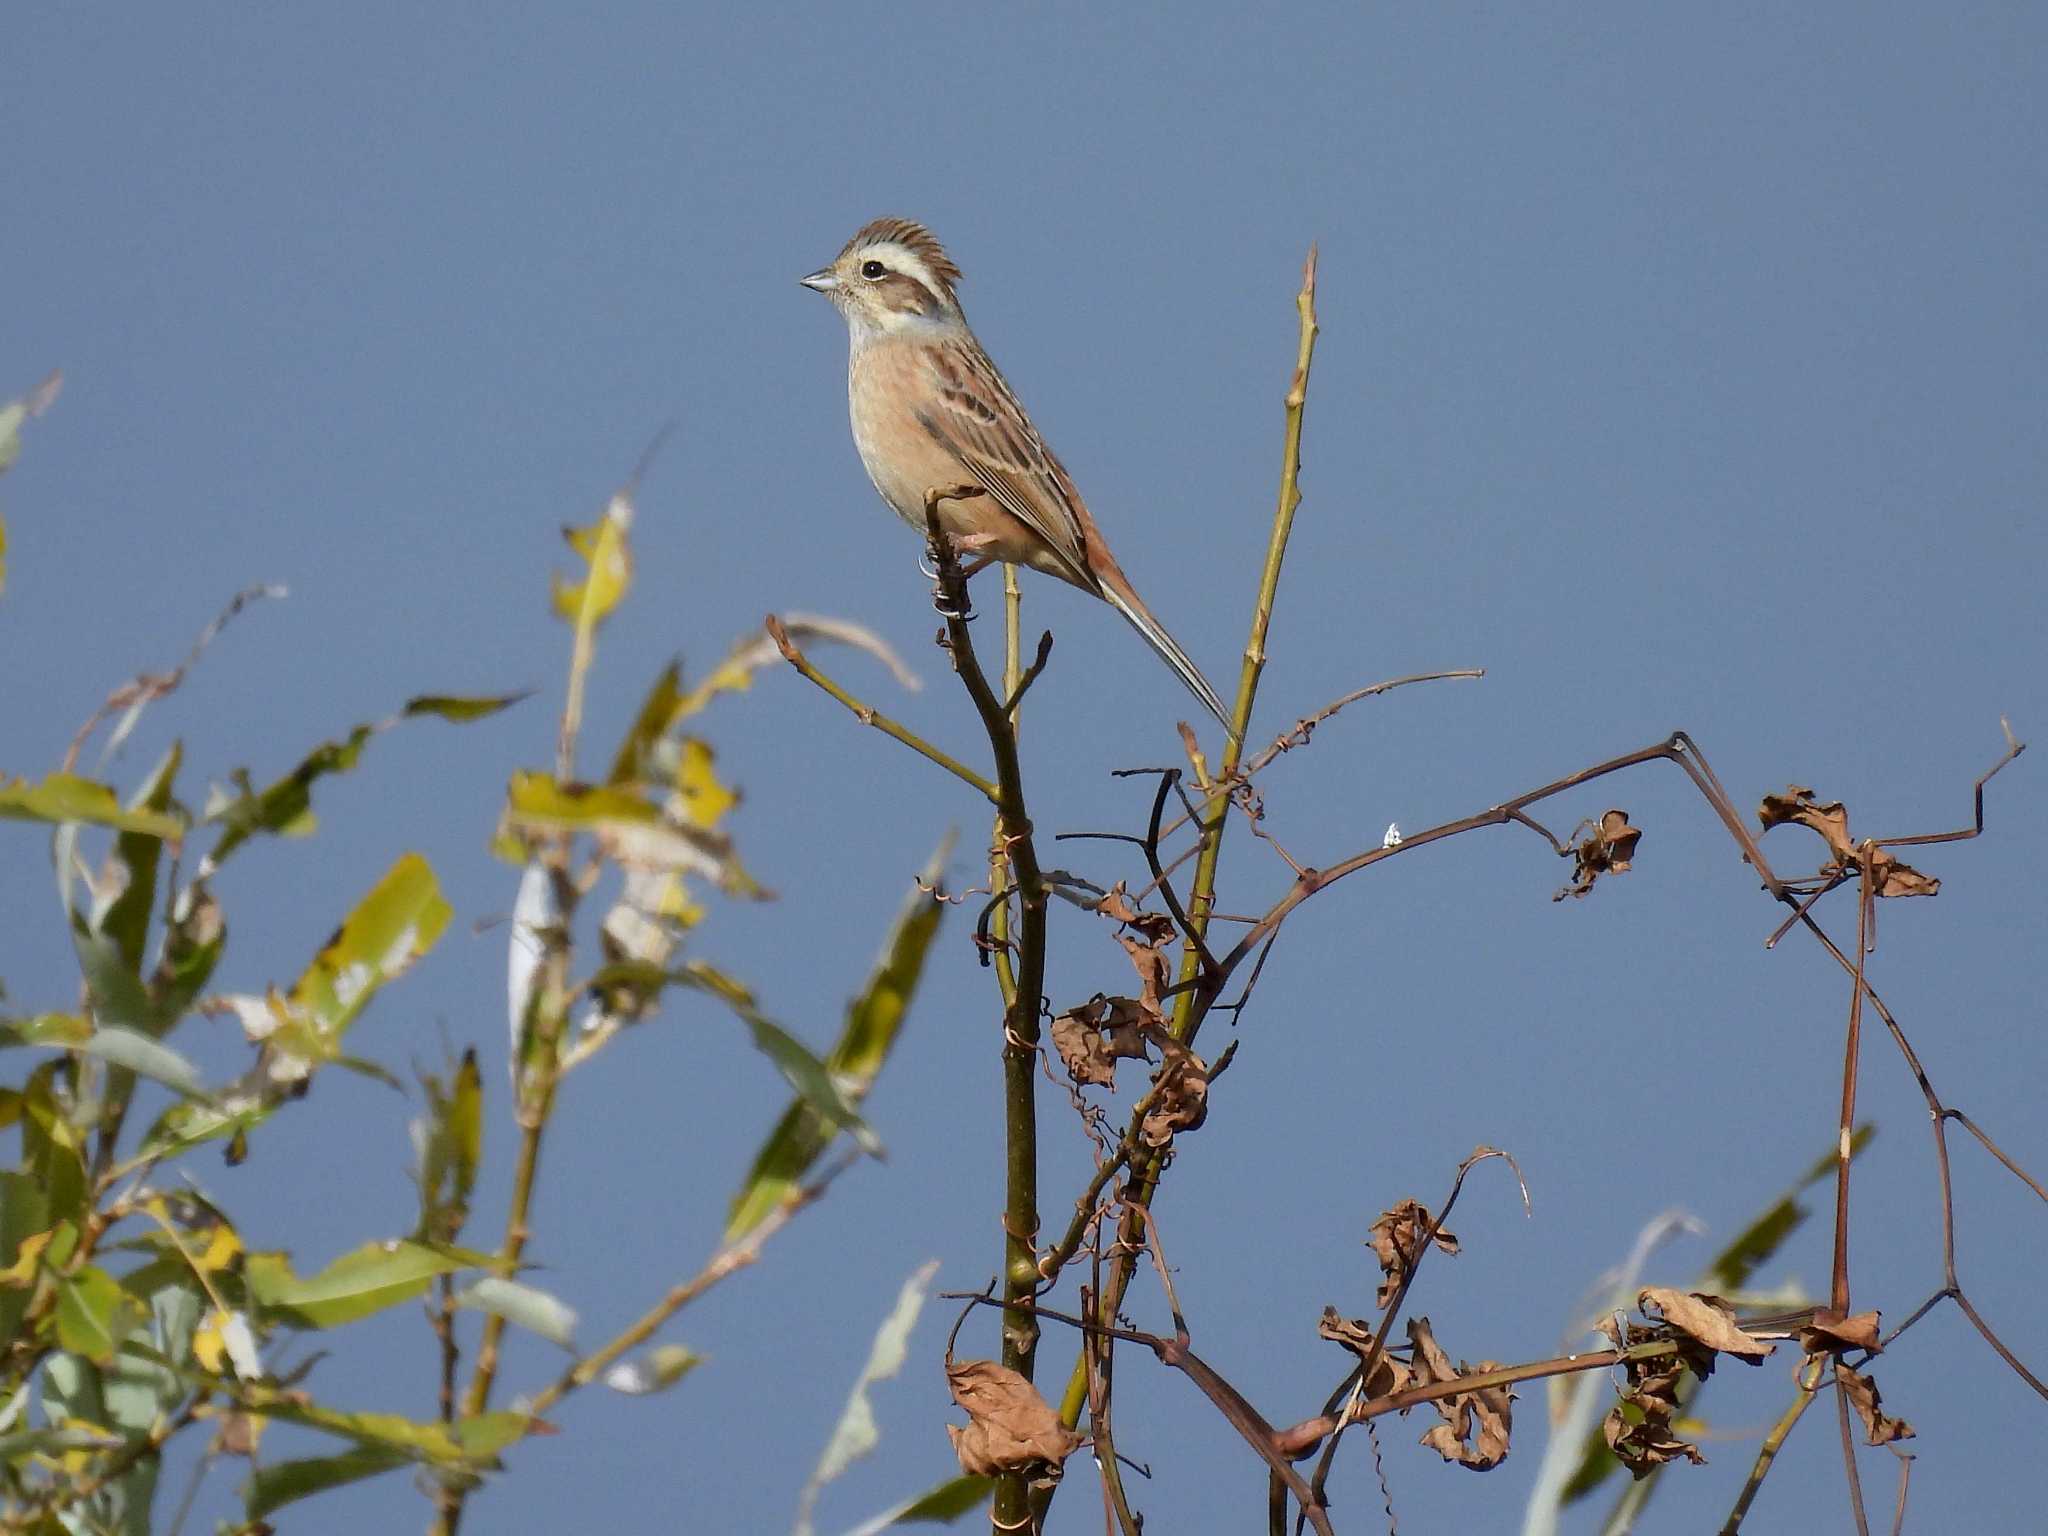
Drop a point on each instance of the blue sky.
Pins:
(1680, 370)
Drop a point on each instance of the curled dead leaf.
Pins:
(1643, 1444)
(1180, 1094)
(1830, 818)
(1709, 1319)
(1389, 1375)
(1398, 1240)
(1092, 1038)
(1863, 1396)
(1608, 848)
(1476, 1424)
(1009, 1425)
(1638, 1428)
(1830, 1333)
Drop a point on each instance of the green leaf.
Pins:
(397, 922)
(125, 1048)
(285, 1482)
(856, 1434)
(656, 1371)
(873, 1022)
(366, 1280)
(630, 827)
(634, 762)
(531, 1308)
(45, 1442)
(61, 797)
(136, 855)
(15, 412)
(24, 1215)
(285, 808)
(813, 1084)
(462, 710)
(1728, 1273)
(935, 1506)
(94, 1314)
(451, 1146)
(463, 1445)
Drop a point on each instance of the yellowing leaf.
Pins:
(704, 800)
(61, 797)
(394, 925)
(608, 567)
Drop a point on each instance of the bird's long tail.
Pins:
(1167, 648)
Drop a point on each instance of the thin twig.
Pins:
(867, 714)
(1767, 1453)
(729, 1260)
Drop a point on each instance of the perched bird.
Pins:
(930, 409)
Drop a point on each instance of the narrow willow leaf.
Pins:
(15, 412)
(137, 1053)
(608, 567)
(1729, 1271)
(44, 1442)
(367, 1280)
(935, 1506)
(94, 1314)
(397, 922)
(536, 802)
(533, 913)
(656, 1371)
(634, 761)
(856, 1434)
(136, 855)
(284, 808)
(873, 1022)
(285, 1482)
(61, 797)
(451, 1145)
(461, 1446)
(531, 1308)
(463, 710)
(807, 1075)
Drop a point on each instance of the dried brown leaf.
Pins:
(1889, 876)
(1181, 1097)
(1608, 848)
(1863, 1396)
(1389, 1375)
(1645, 1444)
(1476, 1424)
(1092, 1037)
(1830, 818)
(1707, 1318)
(1830, 1333)
(1009, 1425)
(1894, 878)
(1398, 1239)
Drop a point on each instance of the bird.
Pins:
(930, 409)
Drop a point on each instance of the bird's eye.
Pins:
(872, 269)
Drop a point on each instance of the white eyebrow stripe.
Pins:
(901, 258)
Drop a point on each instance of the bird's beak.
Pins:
(824, 280)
